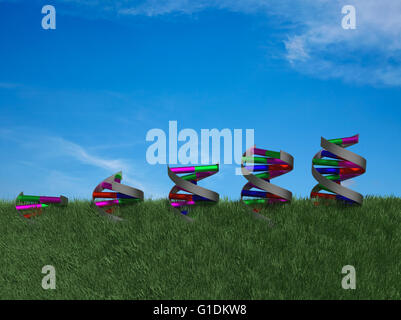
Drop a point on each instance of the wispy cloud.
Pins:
(296, 49)
(59, 155)
(370, 54)
(314, 42)
(58, 146)
(156, 8)
(79, 153)
(317, 45)
(9, 85)
(82, 155)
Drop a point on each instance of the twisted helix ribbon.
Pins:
(186, 191)
(31, 206)
(123, 195)
(268, 165)
(341, 165)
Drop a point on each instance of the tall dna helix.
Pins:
(258, 191)
(339, 165)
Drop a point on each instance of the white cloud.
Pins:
(296, 49)
(314, 42)
(317, 44)
(368, 55)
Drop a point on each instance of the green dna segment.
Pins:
(266, 165)
(122, 195)
(186, 191)
(31, 206)
(335, 165)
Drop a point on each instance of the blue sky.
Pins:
(76, 102)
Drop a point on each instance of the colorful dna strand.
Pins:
(188, 183)
(123, 195)
(342, 165)
(269, 165)
(31, 206)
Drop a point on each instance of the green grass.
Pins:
(224, 254)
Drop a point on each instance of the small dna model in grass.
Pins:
(31, 206)
(341, 165)
(268, 165)
(123, 195)
(189, 184)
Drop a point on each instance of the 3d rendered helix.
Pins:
(186, 191)
(31, 206)
(268, 165)
(340, 165)
(123, 195)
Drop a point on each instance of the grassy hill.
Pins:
(224, 254)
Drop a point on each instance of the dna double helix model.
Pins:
(123, 195)
(186, 191)
(268, 165)
(258, 166)
(31, 206)
(340, 165)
